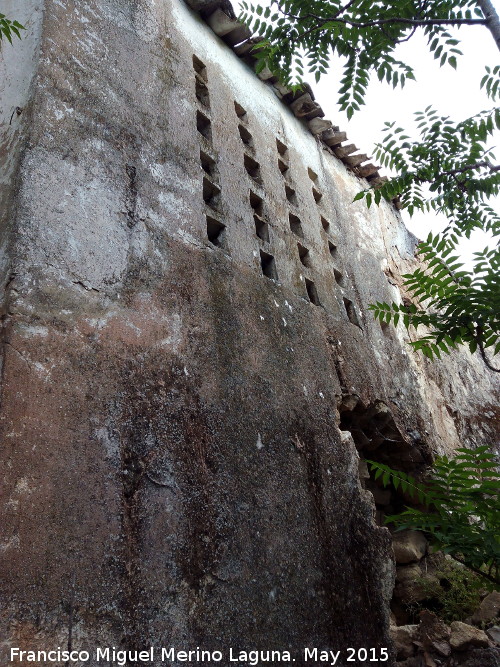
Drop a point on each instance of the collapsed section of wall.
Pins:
(186, 349)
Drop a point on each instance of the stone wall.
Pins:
(189, 367)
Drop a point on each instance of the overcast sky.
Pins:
(452, 93)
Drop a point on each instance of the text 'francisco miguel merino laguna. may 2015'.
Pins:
(113, 656)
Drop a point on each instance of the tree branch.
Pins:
(492, 19)
(476, 570)
(344, 9)
(412, 22)
(378, 22)
(373, 24)
(471, 167)
(479, 339)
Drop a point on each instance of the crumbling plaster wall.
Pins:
(174, 472)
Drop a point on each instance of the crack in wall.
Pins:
(131, 196)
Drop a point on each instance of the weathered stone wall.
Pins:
(174, 472)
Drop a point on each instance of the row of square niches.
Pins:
(267, 260)
(296, 227)
(216, 229)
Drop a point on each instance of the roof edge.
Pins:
(219, 15)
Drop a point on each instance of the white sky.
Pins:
(453, 93)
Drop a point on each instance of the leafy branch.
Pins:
(461, 307)
(9, 28)
(301, 35)
(455, 166)
(461, 514)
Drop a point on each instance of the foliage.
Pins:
(9, 28)
(364, 33)
(455, 589)
(453, 161)
(461, 514)
(450, 170)
(461, 306)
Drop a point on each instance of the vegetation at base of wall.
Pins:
(449, 170)
(460, 498)
(9, 28)
(454, 593)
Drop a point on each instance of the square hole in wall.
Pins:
(240, 112)
(268, 265)
(282, 149)
(312, 174)
(351, 312)
(200, 68)
(332, 249)
(253, 168)
(203, 125)
(304, 255)
(257, 203)
(290, 194)
(245, 135)
(325, 224)
(282, 166)
(295, 225)
(317, 195)
(201, 91)
(216, 231)
(312, 292)
(208, 165)
(339, 278)
(261, 228)
(211, 193)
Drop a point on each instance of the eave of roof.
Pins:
(221, 18)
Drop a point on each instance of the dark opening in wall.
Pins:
(290, 194)
(339, 278)
(312, 292)
(253, 168)
(268, 265)
(256, 203)
(208, 165)
(200, 68)
(201, 91)
(282, 166)
(282, 149)
(312, 174)
(325, 224)
(203, 125)
(240, 112)
(261, 228)
(304, 255)
(283, 162)
(377, 436)
(216, 231)
(332, 249)
(317, 195)
(245, 135)
(351, 312)
(211, 193)
(296, 225)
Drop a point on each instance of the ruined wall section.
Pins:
(191, 279)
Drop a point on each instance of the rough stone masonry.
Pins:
(190, 373)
